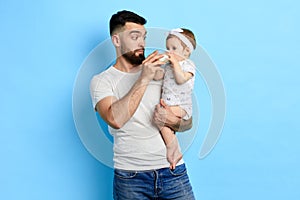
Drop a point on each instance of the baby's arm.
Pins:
(181, 76)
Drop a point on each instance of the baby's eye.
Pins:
(173, 48)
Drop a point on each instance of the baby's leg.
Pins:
(174, 154)
(178, 111)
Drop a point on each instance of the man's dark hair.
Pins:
(119, 19)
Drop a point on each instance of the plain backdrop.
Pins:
(254, 44)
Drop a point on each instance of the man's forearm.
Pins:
(123, 109)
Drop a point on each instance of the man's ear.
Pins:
(115, 40)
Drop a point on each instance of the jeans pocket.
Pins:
(124, 174)
(179, 170)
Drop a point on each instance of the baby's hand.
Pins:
(172, 58)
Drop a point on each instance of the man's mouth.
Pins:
(139, 51)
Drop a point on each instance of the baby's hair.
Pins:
(188, 34)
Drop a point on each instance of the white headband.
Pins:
(178, 32)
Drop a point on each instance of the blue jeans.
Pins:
(160, 184)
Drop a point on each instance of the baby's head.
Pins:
(181, 41)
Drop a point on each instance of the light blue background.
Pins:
(254, 44)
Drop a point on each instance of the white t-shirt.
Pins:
(179, 95)
(138, 145)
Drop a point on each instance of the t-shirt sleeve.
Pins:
(100, 88)
(189, 66)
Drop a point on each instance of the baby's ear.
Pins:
(187, 51)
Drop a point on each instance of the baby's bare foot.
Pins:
(173, 153)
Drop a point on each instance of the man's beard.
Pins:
(134, 59)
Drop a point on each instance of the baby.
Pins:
(178, 84)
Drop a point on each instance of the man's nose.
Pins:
(142, 42)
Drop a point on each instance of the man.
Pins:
(127, 98)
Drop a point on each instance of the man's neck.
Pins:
(123, 65)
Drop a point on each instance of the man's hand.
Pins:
(163, 116)
(150, 65)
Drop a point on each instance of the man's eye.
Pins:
(134, 37)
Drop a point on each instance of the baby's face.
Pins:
(174, 45)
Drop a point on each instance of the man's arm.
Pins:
(117, 112)
(163, 116)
